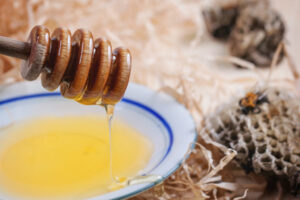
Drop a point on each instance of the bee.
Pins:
(252, 101)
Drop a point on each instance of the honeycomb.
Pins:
(257, 32)
(252, 28)
(219, 20)
(266, 137)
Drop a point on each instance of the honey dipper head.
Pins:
(87, 71)
(119, 76)
(40, 42)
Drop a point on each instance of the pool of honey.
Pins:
(67, 157)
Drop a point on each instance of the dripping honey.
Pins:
(68, 157)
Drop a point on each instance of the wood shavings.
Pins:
(169, 46)
(242, 197)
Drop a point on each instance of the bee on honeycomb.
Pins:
(252, 101)
(263, 127)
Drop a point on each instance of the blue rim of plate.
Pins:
(134, 103)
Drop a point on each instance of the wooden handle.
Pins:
(14, 48)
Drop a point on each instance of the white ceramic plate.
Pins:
(163, 120)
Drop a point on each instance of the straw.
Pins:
(171, 53)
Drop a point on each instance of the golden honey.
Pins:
(68, 157)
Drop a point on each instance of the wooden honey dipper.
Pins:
(86, 70)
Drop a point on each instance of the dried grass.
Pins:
(172, 54)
